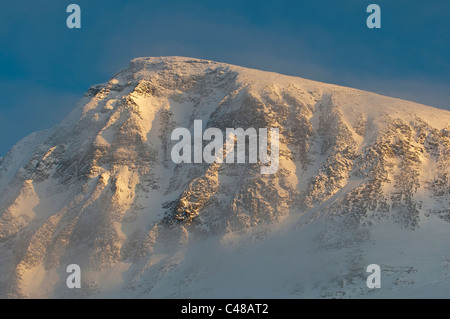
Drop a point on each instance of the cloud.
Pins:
(27, 107)
(416, 89)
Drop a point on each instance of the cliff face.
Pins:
(101, 190)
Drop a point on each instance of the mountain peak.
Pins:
(101, 189)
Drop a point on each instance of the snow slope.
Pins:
(362, 179)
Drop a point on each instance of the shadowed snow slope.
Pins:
(363, 179)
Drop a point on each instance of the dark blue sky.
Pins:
(46, 67)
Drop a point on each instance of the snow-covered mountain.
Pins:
(362, 179)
